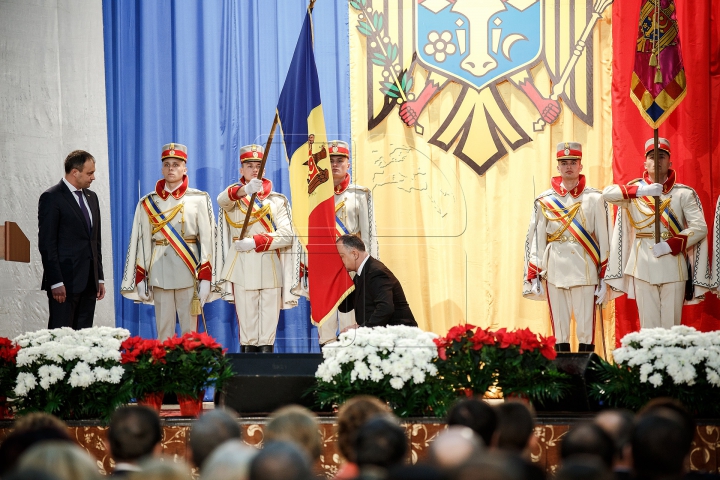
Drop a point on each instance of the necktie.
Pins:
(84, 209)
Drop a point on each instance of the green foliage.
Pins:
(619, 386)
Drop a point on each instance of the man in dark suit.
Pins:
(69, 243)
(378, 298)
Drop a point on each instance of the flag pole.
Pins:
(657, 180)
(260, 175)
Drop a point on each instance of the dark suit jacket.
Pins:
(69, 252)
(378, 298)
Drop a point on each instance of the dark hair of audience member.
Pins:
(38, 420)
(134, 432)
(295, 423)
(280, 461)
(475, 414)
(209, 431)
(499, 466)
(351, 416)
(380, 442)
(619, 425)
(20, 441)
(663, 406)
(419, 471)
(584, 467)
(586, 438)
(660, 444)
(515, 426)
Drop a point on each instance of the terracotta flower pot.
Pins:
(153, 400)
(191, 407)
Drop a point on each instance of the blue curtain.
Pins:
(208, 74)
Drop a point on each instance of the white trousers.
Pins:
(258, 312)
(565, 302)
(329, 330)
(659, 305)
(168, 304)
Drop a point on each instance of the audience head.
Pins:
(419, 471)
(30, 430)
(475, 414)
(296, 424)
(209, 431)
(453, 447)
(280, 461)
(584, 467)
(500, 466)
(619, 425)
(64, 460)
(155, 468)
(29, 474)
(38, 420)
(660, 444)
(380, 442)
(673, 409)
(134, 432)
(588, 439)
(515, 427)
(229, 461)
(351, 416)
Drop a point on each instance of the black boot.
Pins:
(252, 348)
(562, 347)
(586, 347)
(266, 348)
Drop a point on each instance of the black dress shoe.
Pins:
(562, 347)
(252, 348)
(266, 348)
(586, 347)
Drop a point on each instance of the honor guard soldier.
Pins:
(567, 249)
(255, 270)
(656, 273)
(354, 216)
(170, 253)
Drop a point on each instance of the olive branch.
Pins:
(371, 25)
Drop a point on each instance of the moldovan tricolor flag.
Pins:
(658, 79)
(313, 204)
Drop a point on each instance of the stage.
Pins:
(420, 431)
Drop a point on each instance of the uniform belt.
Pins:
(165, 241)
(563, 239)
(663, 235)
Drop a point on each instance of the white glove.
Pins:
(204, 291)
(600, 292)
(537, 287)
(660, 249)
(254, 186)
(142, 288)
(653, 190)
(245, 245)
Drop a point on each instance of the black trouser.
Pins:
(78, 309)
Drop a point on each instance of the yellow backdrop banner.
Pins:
(456, 112)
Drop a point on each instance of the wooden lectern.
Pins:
(14, 245)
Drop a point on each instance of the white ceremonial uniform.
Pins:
(257, 281)
(715, 283)
(658, 284)
(353, 215)
(152, 257)
(559, 249)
